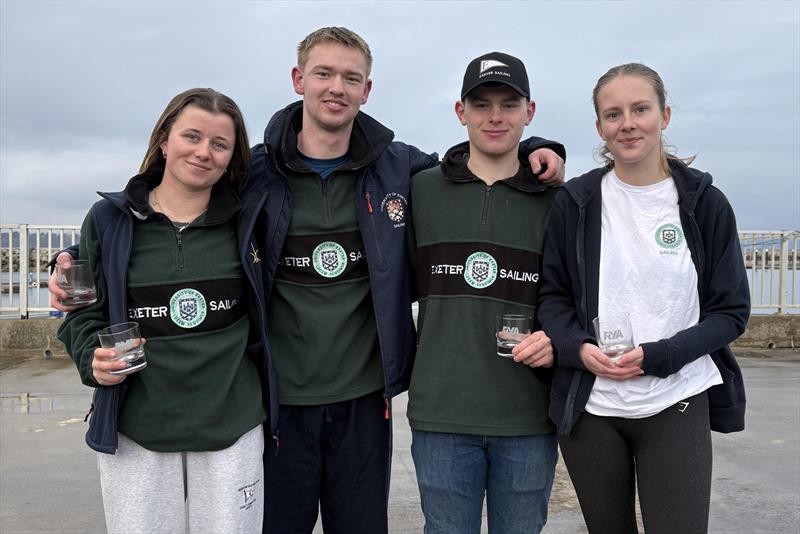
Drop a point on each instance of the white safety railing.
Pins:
(771, 259)
(25, 250)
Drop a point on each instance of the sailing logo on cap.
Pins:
(487, 64)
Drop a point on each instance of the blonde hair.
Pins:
(668, 152)
(333, 34)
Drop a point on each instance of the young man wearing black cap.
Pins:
(479, 421)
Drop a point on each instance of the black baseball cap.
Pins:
(496, 67)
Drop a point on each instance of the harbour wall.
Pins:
(763, 332)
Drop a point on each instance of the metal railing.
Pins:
(25, 250)
(771, 259)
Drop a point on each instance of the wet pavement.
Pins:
(49, 481)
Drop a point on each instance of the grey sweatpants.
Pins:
(146, 492)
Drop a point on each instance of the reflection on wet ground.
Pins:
(20, 394)
(29, 403)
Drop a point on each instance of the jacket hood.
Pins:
(454, 166)
(691, 183)
(368, 139)
(223, 205)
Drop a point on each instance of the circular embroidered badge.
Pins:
(394, 205)
(187, 308)
(669, 236)
(480, 270)
(396, 210)
(329, 259)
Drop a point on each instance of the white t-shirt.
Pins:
(646, 270)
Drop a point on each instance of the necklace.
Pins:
(156, 204)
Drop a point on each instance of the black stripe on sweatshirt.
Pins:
(481, 269)
(322, 259)
(187, 307)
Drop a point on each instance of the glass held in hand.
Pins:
(510, 329)
(126, 340)
(75, 279)
(614, 334)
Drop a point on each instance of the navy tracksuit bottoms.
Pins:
(335, 458)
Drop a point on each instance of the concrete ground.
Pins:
(49, 481)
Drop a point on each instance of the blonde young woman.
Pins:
(648, 235)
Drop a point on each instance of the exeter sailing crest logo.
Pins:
(329, 259)
(187, 308)
(480, 270)
(669, 236)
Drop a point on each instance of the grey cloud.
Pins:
(91, 78)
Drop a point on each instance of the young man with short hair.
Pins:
(339, 321)
(479, 421)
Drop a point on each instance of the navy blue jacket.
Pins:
(385, 167)
(113, 221)
(569, 294)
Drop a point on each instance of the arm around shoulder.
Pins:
(420, 160)
(79, 330)
(527, 146)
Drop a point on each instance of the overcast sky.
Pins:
(82, 83)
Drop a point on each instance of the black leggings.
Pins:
(668, 455)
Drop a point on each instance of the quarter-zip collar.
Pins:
(223, 204)
(454, 166)
(368, 139)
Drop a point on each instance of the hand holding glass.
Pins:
(126, 340)
(75, 279)
(614, 334)
(510, 329)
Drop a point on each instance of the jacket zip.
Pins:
(124, 296)
(580, 252)
(371, 217)
(567, 419)
(696, 250)
(248, 270)
(326, 212)
(485, 212)
(179, 243)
